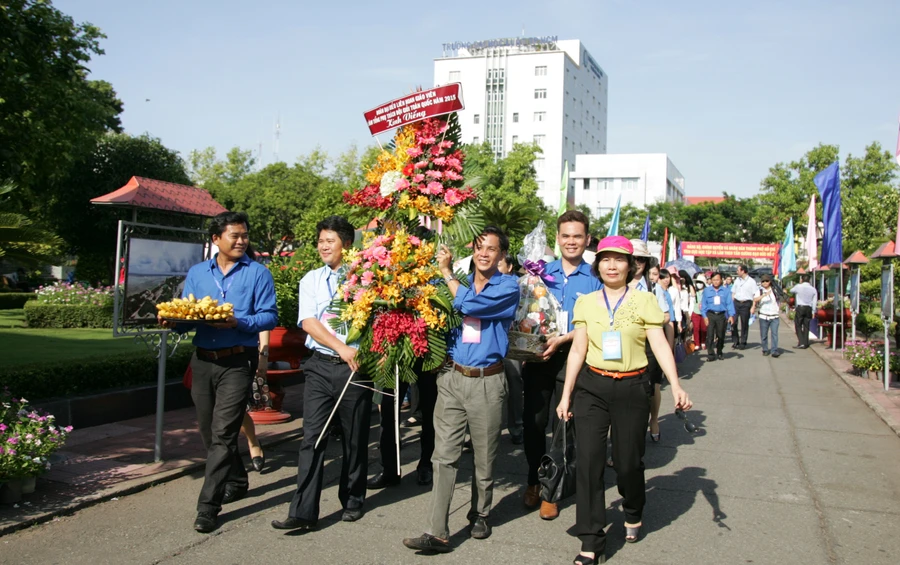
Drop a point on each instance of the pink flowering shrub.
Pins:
(27, 438)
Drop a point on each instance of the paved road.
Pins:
(790, 467)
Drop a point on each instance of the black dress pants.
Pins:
(715, 333)
(598, 404)
(543, 384)
(742, 317)
(220, 390)
(802, 317)
(427, 385)
(324, 382)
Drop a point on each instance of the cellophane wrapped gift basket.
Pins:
(538, 316)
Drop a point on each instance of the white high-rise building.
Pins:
(640, 178)
(523, 90)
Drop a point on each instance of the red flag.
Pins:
(776, 263)
(662, 256)
(897, 243)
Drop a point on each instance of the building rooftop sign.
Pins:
(546, 42)
(592, 64)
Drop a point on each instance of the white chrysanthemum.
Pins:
(389, 183)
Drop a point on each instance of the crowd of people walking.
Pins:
(625, 324)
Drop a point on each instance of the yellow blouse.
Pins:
(639, 312)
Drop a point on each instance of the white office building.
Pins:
(523, 90)
(642, 179)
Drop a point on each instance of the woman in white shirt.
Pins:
(675, 294)
(688, 300)
(766, 303)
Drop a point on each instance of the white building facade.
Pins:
(524, 90)
(641, 178)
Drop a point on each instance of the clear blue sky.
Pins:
(726, 90)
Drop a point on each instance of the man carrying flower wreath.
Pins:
(471, 388)
(326, 372)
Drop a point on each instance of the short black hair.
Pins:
(221, 221)
(340, 226)
(743, 268)
(510, 260)
(664, 274)
(804, 278)
(714, 275)
(632, 267)
(492, 230)
(574, 216)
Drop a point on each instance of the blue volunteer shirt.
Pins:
(495, 308)
(664, 299)
(708, 303)
(567, 289)
(317, 289)
(249, 287)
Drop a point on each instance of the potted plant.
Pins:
(27, 439)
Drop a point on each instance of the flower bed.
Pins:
(865, 356)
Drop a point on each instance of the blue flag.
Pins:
(788, 262)
(829, 184)
(645, 233)
(614, 223)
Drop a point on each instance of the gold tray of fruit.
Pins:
(189, 310)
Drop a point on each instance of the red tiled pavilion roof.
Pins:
(142, 192)
(857, 258)
(885, 251)
(691, 200)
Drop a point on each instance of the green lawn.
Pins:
(23, 346)
(12, 318)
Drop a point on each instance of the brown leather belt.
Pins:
(479, 371)
(215, 354)
(617, 375)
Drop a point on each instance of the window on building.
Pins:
(515, 117)
(540, 93)
(515, 139)
(454, 76)
(540, 116)
(540, 71)
(539, 139)
(539, 163)
(477, 118)
(540, 185)
(629, 184)
(604, 184)
(476, 140)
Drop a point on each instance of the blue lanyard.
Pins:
(612, 311)
(218, 284)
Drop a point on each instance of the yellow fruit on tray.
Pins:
(206, 309)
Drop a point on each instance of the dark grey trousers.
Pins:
(220, 390)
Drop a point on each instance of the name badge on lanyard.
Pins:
(611, 341)
(471, 330)
(717, 300)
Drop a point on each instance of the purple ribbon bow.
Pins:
(537, 268)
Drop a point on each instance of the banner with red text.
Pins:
(733, 250)
(414, 107)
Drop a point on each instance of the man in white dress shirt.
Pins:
(743, 292)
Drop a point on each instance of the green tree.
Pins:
(89, 230)
(869, 199)
(207, 170)
(20, 240)
(50, 113)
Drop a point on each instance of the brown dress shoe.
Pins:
(549, 510)
(533, 496)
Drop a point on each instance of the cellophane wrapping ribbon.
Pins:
(538, 314)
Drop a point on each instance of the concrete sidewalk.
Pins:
(789, 466)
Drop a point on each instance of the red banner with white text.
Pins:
(414, 107)
(732, 250)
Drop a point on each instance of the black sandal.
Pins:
(632, 534)
(585, 560)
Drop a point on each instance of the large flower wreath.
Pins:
(393, 297)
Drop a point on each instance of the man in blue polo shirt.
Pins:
(572, 278)
(715, 306)
(224, 362)
(471, 388)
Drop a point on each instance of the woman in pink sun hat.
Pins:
(608, 392)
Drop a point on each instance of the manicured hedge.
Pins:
(73, 378)
(14, 300)
(39, 315)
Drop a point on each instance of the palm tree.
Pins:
(23, 242)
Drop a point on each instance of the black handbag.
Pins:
(556, 472)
